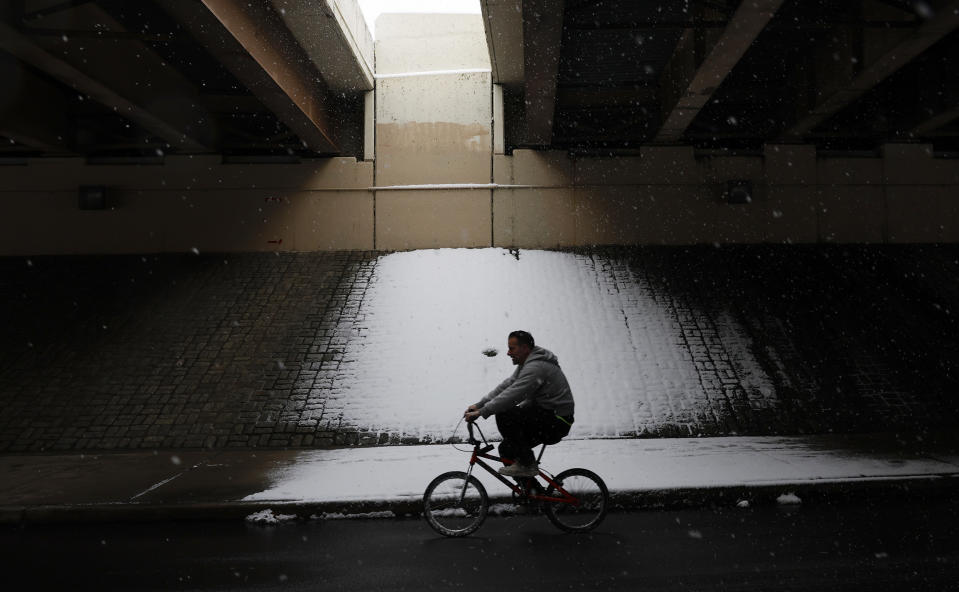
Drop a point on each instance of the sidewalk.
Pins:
(640, 473)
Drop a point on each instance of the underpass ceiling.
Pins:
(112, 78)
(104, 78)
(845, 76)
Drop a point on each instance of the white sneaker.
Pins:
(519, 470)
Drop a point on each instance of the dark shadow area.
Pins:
(121, 352)
(244, 350)
(854, 338)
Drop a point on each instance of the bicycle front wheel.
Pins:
(592, 501)
(455, 504)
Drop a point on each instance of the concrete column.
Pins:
(434, 144)
(499, 129)
(369, 126)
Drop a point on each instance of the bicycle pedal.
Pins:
(532, 488)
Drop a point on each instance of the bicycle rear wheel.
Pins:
(592, 496)
(455, 504)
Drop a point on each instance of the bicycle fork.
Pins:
(466, 482)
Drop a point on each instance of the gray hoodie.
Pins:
(537, 381)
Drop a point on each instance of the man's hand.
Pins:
(472, 413)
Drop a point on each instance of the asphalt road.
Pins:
(896, 545)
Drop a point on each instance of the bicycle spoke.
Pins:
(591, 501)
(455, 504)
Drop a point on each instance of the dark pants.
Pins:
(525, 427)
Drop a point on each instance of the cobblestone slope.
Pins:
(121, 352)
(281, 350)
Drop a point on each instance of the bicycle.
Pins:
(455, 503)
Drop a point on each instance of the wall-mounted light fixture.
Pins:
(92, 197)
(738, 191)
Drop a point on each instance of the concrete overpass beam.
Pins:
(32, 111)
(334, 36)
(701, 62)
(503, 22)
(936, 106)
(856, 63)
(941, 119)
(250, 40)
(542, 43)
(126, 98)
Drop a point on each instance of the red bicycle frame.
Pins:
(526, 492)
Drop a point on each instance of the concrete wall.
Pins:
(410, 43)
(334, 36)
(668, 195)
(187, 203)
(541, 200)
(433, 128)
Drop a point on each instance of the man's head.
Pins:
(519, 344)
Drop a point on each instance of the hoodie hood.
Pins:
(539, 354)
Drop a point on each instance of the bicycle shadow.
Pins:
(528, 530)
(545, 538)
(468, 541)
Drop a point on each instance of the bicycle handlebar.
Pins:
(472, 438)
(469, 427)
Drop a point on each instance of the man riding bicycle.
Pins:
(532, 407)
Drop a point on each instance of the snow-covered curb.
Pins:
(268, 517)
(401, 473)
(352, 516)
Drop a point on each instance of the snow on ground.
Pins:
(362, 515)
(403, 472)
(268, 517)
(788, 499)
(416, 360)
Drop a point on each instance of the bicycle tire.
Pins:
(590, 489)
(451, 512)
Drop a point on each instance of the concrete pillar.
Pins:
(434, 108)
(369, 126)
(499, 129)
